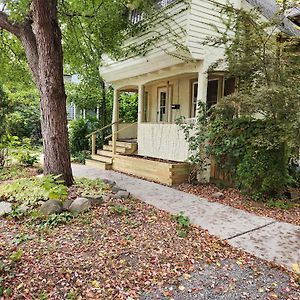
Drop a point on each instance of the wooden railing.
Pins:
(114, 136)
(136, 15)
(94, 135)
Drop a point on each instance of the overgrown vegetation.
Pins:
(254, 134)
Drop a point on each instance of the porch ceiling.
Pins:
(175, 71)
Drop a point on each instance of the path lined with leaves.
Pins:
(264, 237)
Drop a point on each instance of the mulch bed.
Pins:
(107, 255)
(235, 199)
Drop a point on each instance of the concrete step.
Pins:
(98, 164)
(102, 158)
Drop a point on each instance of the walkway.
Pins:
(264, 237)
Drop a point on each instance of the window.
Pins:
(163, 106)
(212, 92)
(229, 86)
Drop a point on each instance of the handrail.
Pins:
(101, 129)
(109, 136)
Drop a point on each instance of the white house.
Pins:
(170, 79)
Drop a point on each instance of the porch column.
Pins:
(141, 95)
(115, 118)
(202, 88)
(202, 97)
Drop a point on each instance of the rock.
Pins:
(95, 200)
(51, 207)
(218, 195)
(80, 205)
(66, 204)
(121, 195)
(116, 189)
(23, 208)
(109, 182)
(5, 208)
(106, 198)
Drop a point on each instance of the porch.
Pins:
(154, 147)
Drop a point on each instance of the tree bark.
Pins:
(52, 89)
(40, 36)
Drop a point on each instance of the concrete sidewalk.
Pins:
(264, 237)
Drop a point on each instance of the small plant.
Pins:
(183, 224)
(19, 239)
(16, 256)
(280, 204)
(55, 188)
(88, 187)
(120, 210)
(55, 220)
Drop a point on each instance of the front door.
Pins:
(162, 105)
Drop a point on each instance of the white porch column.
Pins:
(141, 95)
(116, 106)
(202, 97)
(202, 87)
(115, 118)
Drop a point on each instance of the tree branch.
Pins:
(8, 25)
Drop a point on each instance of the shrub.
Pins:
(262, 173)
(80, 144)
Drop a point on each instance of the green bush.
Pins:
(262, 173)
(80, 144)
(252, 152)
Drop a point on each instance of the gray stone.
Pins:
(116, 189)
(80, 205)
(95, 200)
(121, 195)
(218, 195)
(66, 204)
(23, 208)
(51, 207)
(109, 182)
(106, 198)
(5, 208)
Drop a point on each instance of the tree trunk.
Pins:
(51, 84)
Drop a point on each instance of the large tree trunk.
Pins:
(41, 37)
(52, 90)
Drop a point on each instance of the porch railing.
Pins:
(114, 137)
(93, 135)
(136, 15)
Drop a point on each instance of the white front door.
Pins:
(163, 104)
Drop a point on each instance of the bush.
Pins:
(262, 173)
(80, 144)
(251, 151)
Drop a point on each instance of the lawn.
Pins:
(126, 249)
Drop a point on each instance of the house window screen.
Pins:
(163, 107)
(212, 92)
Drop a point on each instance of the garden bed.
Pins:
(169, 173)
(126, 249)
